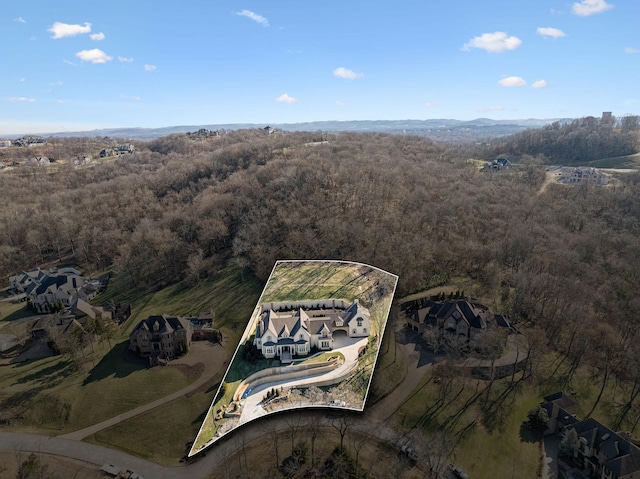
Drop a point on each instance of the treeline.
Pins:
(565, 260)
(573, 141)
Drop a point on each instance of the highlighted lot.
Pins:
(311, 341)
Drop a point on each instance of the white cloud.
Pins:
(136, 98)
(493, 42)
(512, 81)
(584, 8)
(96, 37)
(60, 101)
(254, 16)
(61, 30)
(22, 80)
(284, 98)
(429, 104)
(94, 56)
(540, 84)
(631, 50)
(68, 62)
(20, 20)
(21, 98)
(347, 74)
(492, 108)
(550, 32)
(340, 103)
(124, 59)
(150, 68)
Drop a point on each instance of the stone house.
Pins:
(599, 452)
(162, 336)
(457, 317)
(583, 176)
(300, 326)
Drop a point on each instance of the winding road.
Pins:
(71, 446)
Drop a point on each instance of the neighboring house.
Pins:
(126, 148)
(583, 176)
(459, 317)
(561, 409)
(498, 164)
(162, 336)
(203, 326)
(37, 161)
(300, 326)
(107, 153)
(30, 141)
(601, 452)
(53, 328)
(81, 311)
(82, 160)
(44, 289)
(117, 312)
(5, 143)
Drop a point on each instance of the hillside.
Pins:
(447, 130)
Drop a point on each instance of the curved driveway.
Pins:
(215, 355)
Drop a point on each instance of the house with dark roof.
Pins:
(457, 317)
(161, 335)
(599, 451)
(300, 326)
(44, 289)
(561, 409)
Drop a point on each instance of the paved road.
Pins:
(206, 466)
(416, 369)
(215, 356)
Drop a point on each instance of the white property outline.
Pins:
(251, 326)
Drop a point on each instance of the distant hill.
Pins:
(437, 129)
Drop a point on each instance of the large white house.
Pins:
(299, 326)
(64, 285)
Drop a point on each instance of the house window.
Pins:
(354, 331)
(359, 322)
(364, 330)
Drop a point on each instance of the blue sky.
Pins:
(78, 65)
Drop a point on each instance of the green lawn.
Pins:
(159, 435)
(489, 446)
(50, 396)
(628, 161)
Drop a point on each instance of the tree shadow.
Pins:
(49, 376)
(119, 363)
(21, 313)
(527, 435)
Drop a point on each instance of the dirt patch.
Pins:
(189, 371)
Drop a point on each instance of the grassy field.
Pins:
(483, 451)
(292, 281)
(161, 434)
(623, 162)
(51, 397)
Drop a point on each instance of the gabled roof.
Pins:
(355, 310)
(166, 324)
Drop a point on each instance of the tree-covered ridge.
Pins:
(565, 260)
(574, 141)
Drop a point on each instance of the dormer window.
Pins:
(359, 322)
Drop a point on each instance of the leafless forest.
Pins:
(565, 262)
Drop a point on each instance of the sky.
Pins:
(79, 65)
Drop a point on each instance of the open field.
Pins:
(617, 162)
(51, 397)
(159, 435)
